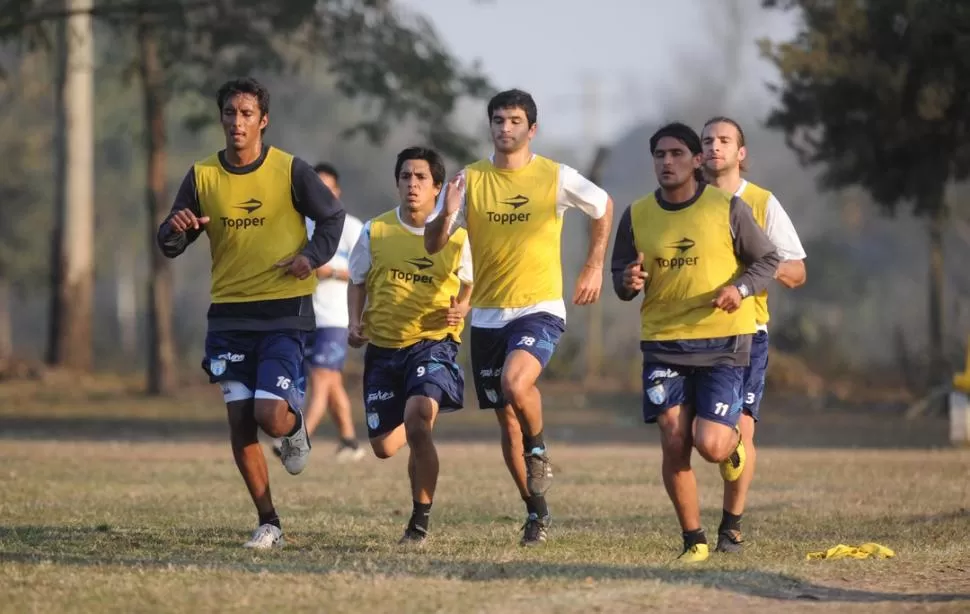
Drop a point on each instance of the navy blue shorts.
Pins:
(537, 334)
(392, 376)
(713, 392)
(328, 349)
(754, 374)
(268, 364)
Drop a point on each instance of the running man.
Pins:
(697, 254)
(724, 159)
(329, 348)
(409, 308)
(512, 205)
(251, 201)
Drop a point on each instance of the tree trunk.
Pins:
(162, 376)
(938, 363)
(6, 322)
(70, 342)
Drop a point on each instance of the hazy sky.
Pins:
(628, 48)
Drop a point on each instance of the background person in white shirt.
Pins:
(327, 354)
(724, 159)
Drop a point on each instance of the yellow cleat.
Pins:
(697, 553)
(733, 466)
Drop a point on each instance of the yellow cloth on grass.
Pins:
(865, 551)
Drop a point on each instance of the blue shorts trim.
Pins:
(753, 389)
(328, 350)
(713, 392)
(538, 334)
(392, 376)
(268, 361)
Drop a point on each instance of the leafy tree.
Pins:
(877, 93)
(375, 50)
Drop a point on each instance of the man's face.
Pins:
(721, 151)
(242, 121)
(510, 130)
(416, 186)
(673, 163)
(331, 182)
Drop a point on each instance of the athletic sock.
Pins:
(532, 442)
(270, 518)
(536, 504)
(729, 522)
(421, 516)
(693, 538)
(348, 443)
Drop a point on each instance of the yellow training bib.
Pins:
(515, 232)
(408, 290)
(689, 254)
(252, 226)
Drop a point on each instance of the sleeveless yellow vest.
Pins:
(515, 233)
(252, 226)
(408, 290)
(689, 255)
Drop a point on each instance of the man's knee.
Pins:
(517, 385)
(387, 444)
(271, 415)
(419, 419)
(715, 446)
(675, 437)
(381, 449)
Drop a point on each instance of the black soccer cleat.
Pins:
(534, 530)
(729, 541)
(413, 536)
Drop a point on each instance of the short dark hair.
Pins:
(510, 99)
(721, 119)
(246, 85)
(680, 131)
(432, 157)
(683, 133)
(327, 169)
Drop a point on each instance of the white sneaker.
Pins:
(346, 454)
(265, 536)
(295, 449)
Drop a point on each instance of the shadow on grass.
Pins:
(93, 546)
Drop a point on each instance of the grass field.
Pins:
(116, 504)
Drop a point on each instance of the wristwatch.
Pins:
(743, 289)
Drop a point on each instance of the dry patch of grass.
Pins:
(108, 526)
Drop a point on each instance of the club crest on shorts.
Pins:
(373, 420)
(491, 395)
(217, 366)
(657, 393)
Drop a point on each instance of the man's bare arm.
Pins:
(791, 273)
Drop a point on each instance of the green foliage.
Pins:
(877, 92)
(26, 192)
(375, 50)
